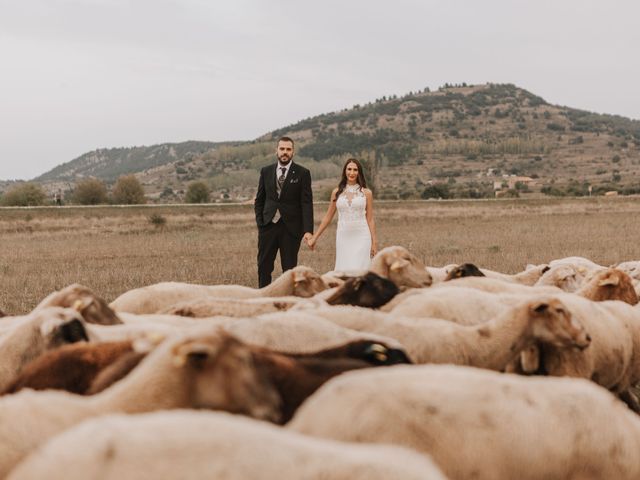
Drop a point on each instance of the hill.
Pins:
(460, 141)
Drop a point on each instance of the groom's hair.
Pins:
(286, 139)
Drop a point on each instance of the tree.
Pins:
(197, 192)
(128, 191)
(90, 191)
(24, 195)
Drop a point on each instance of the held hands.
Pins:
(310, 240)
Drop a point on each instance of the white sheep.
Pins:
(196, 445)
(613, 358)
(466, 306)
(210, 370)
(299, 281)
(565, 276)
(490, 345)
(529, 276)
(481, 424)
(495, 285)
(233, 307)
(401, 267)
(299, 332)
(33, 334)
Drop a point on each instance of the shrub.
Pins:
(157, 220)
(438, 190)
(90, 192)
(197, 192)
(128, 191)
(24, 195)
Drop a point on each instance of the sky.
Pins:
(77, 75)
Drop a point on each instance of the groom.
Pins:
(284, 211)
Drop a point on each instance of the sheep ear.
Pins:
(299, 277)
(194, 353)
(610, 280)
(398, 265)
(81, 303)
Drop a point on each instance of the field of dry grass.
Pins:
(112, 249)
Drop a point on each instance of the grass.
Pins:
(113, 249)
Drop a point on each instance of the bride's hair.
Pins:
(343, 181)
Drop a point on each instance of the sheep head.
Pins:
(225, 377)
(401, 267)
(464, 270)
(377, 353)
(368, 290)
(306, 282)
(566, 277)
(93, 308)
(610, 284)
(553, 324)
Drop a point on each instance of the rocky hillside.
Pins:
(458, 142)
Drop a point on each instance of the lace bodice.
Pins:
(352, 206)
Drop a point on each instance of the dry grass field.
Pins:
(113, 249)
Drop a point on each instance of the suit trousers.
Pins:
(271, 238)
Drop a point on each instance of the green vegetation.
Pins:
(198, 192)
(128, 191)
(90, 192)
(24, 195)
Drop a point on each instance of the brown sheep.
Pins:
(609, 284)
(464, 270)
(70, 367)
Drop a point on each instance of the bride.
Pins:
(356, 241)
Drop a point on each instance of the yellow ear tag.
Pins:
(78, 305)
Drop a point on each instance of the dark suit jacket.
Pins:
(295, 202)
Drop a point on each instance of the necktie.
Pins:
(281, 179)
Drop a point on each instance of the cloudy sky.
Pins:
(76, 75)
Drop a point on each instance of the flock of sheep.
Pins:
(404, 372)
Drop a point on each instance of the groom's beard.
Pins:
(284, 159)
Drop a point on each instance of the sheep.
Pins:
(464, 270)
(300, 281)
(529, 276)
(565, 276)
(298, 332)
(577, 262)
(609, 284)
(494, 285)
(36, 333)
(401, 267)
(70, 367)
(481, 424)
(466, 306)
(632, 269)
(231, 307)
(207, 370)
(195, 445)
(90, 368)
(369, 290)
(439, 274)
(613, 358)
(491, 345)
(93, 308)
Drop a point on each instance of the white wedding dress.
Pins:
(353, 238)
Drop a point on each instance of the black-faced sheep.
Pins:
(369, 290)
